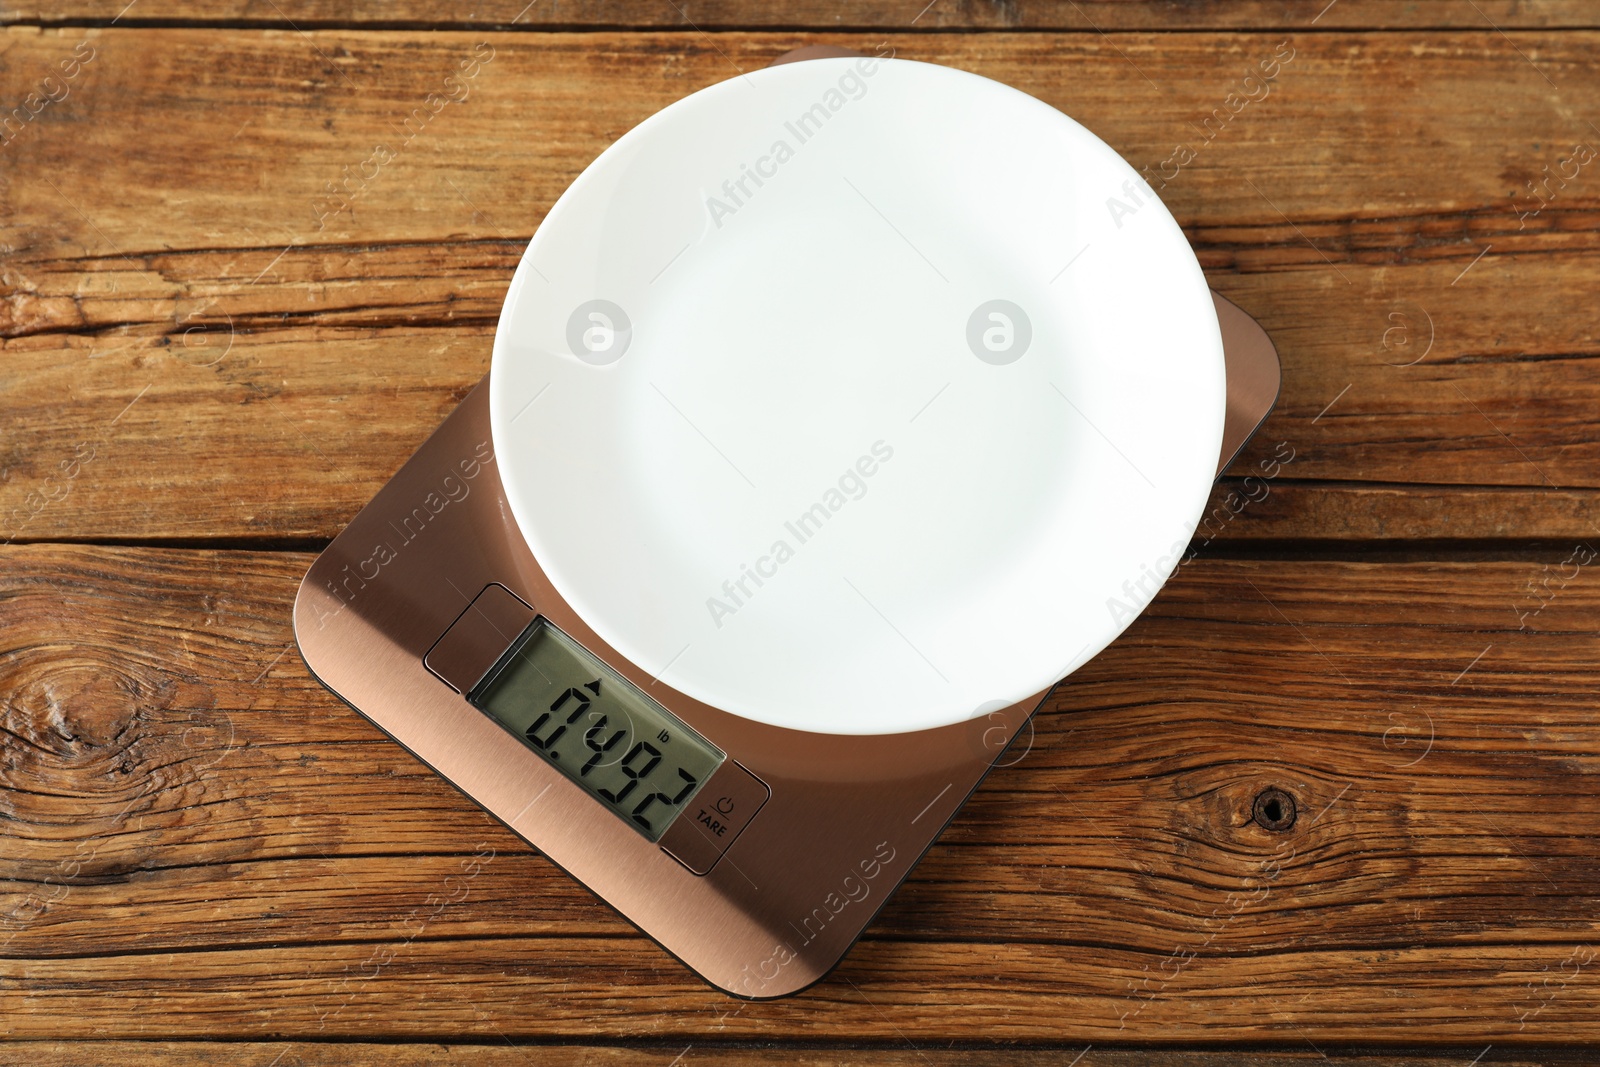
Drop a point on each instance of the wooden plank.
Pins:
(922, 994)
(851, 14)
(903, 1054)
(300, 424)
(1243, 510)
(140, 249)
(190, 819)
(1352, 131)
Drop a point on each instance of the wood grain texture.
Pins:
(304, 349)
(850, 14)
(1376, 138)
(221, 330)
(350, 1054)
(192, 821)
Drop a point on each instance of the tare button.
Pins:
(716, 815)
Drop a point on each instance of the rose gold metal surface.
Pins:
(719, 813)
(1254, 376)
(815, 51)
(847, 817)
(476, 641)
(801, 870)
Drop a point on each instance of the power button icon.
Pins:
(708, 826)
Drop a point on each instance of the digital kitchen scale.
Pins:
(833, 418)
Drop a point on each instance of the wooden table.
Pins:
(252, 252)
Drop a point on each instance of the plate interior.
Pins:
(858, 396)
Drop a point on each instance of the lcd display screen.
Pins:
(599, 729)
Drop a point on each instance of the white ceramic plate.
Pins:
(842, 395)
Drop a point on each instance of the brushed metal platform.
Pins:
(847, 818)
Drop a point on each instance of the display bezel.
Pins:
(488, 683)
